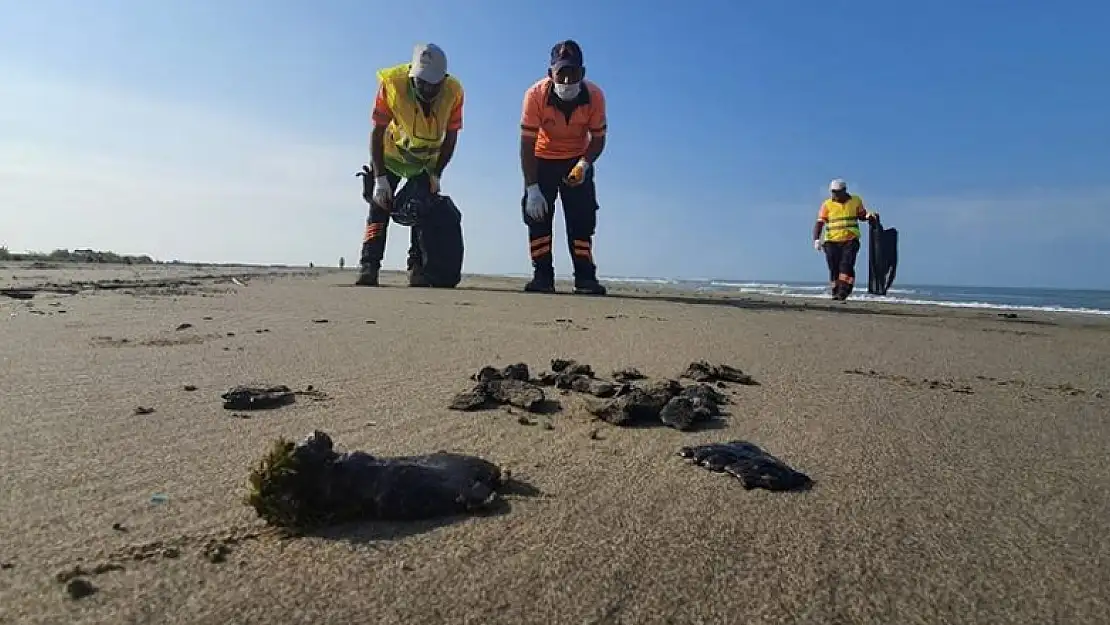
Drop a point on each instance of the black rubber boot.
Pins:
(416, 276)
(585, 279)
(589, 287)
(368, 275)
(543, 280)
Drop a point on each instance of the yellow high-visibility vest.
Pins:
(842, 219)
(413, 139)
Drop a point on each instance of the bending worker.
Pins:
(839, 216)
(417, 117)
(562, 134)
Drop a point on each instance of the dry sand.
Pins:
(930, 505)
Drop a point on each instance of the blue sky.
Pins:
(230, 130)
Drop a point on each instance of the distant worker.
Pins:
(562, 134)
(418, 112)
(342, 261)
(839, 216)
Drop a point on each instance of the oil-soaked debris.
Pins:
(17, 293)
(702, 371)
(628, 374)
(309, 484)
(498, 387)
(143, 410)
(571, 367)
(516, 371)
(628, 399)
(80, 588)
(258, 397)
(662, 401)
(747, 462)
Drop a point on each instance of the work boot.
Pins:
(368, 275)
(588, 286)
(416, 276)
(543, 281)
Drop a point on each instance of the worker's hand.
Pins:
(872, 216)
(367, 184)
(433, 183)
(383, 194)
(578, 172)
(818, 245)
(535, 206)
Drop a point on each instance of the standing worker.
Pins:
(417, 117)
(562, 134)
(839, 216)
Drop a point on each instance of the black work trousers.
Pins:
(579, 214)
(377, 225)
(841, 257)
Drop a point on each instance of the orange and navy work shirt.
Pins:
(558, 135)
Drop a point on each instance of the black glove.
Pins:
(367, 184)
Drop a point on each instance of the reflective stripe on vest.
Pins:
(412, 138)
(842, 221)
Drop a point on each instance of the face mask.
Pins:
(568, 92)
(425, 91)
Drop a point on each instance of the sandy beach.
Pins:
(959, 457)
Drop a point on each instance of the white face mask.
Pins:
(568, 92)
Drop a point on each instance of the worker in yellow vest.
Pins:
(417, 117)
(839, 216)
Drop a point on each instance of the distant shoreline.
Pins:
(1006, 300)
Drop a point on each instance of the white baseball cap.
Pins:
(429, 63)
(838, 184)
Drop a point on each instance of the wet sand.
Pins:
(959, 456)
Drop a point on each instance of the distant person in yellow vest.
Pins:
(417, 117)
(839, 216)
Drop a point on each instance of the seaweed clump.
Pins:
(308, 484)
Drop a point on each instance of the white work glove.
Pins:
(535, 206)
(817, 245)
(383, 194)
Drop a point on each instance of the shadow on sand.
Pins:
(365, 532)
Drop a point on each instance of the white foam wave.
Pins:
(952, 304)
(820, 291)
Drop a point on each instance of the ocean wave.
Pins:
(787, 288)
(634, 280)
(886, 299)
(905, 296)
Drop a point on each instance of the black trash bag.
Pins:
(441, 243)
(754, 467)
(309, 484)
(882, 258)
(438, 225)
